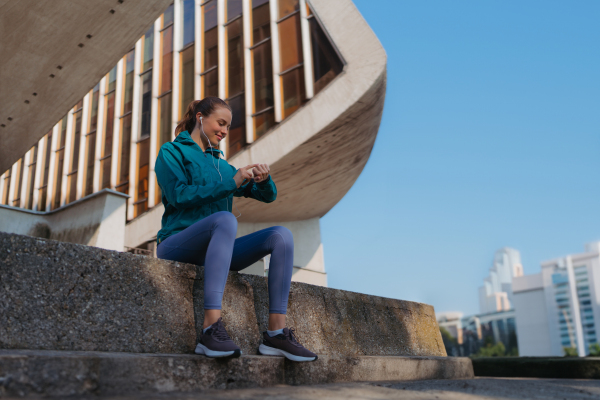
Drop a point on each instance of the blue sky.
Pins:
(490, 137)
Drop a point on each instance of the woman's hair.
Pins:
(206, 106)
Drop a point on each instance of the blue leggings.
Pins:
(211, 242)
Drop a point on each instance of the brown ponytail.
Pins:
(205, 106)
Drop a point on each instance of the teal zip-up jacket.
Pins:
(192, 188)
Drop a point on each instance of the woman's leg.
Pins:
(279, 242)
(208, 242)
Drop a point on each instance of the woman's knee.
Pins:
(225, 220)
(287, 239)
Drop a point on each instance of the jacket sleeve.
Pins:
(265, 191)
(173, 183)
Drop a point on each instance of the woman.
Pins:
(198, 227)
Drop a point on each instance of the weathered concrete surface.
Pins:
(55, 373)
(62, 296)
(539, 367)
(100, 300)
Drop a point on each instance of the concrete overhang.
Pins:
(59, 50)
(317, 154)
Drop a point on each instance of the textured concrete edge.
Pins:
(55, 373)
(538, 367)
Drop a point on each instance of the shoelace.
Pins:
(292, 337)
(219, 331)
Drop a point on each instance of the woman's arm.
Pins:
(173, 183)
(265, 191)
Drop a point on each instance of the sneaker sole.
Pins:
(201, 349)
(271, 351)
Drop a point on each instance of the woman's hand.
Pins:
(244, 174)
(261, 173)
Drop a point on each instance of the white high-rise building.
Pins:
(496, 293)
(559, 307)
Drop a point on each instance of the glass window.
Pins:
(261, 21)
(60, 160)
(90, 154)
(31, 177)
(125, 143)
(143, 165)
(106, 153)
(146, 117)
(148, 49)
(187, 79)
(293, 91)
(189, 22)
(262, 62)
(287, 7)
(6, 186)
(73, 166)
(290, 48)
(235, 58)
(234, 9)
(326, 63)
(237, 131)
(19, 182)
(166, 84)
(43, 189)
(210, 82)
(290, 44)
(90, 144)
(168, 16)
(235, 86)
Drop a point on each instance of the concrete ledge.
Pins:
(538, 367)
(55, 373)
(62, 296)
(95, 220)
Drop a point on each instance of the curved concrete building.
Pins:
(306, 80)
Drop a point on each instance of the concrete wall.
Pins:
(96, 220)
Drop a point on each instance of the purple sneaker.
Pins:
(285, 345)
(217, 343)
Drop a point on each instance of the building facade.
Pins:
(496, 293)
(495, 322)
(290, 73)
(559, 308)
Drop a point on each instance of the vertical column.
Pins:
(177, 44)
(39, 171)
(575, 308)
(198, 46)
(306, 51)
(277, 95)
(67, 157)
(24, 195)
(115, 159)
(99, 133)
(135, 127)
(154, 122)
(51, 171)
(85, 116)
(221, 20)
(248, 81)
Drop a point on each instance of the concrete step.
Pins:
(63, 296)
(67, 373)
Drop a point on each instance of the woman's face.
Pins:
(216, 125)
